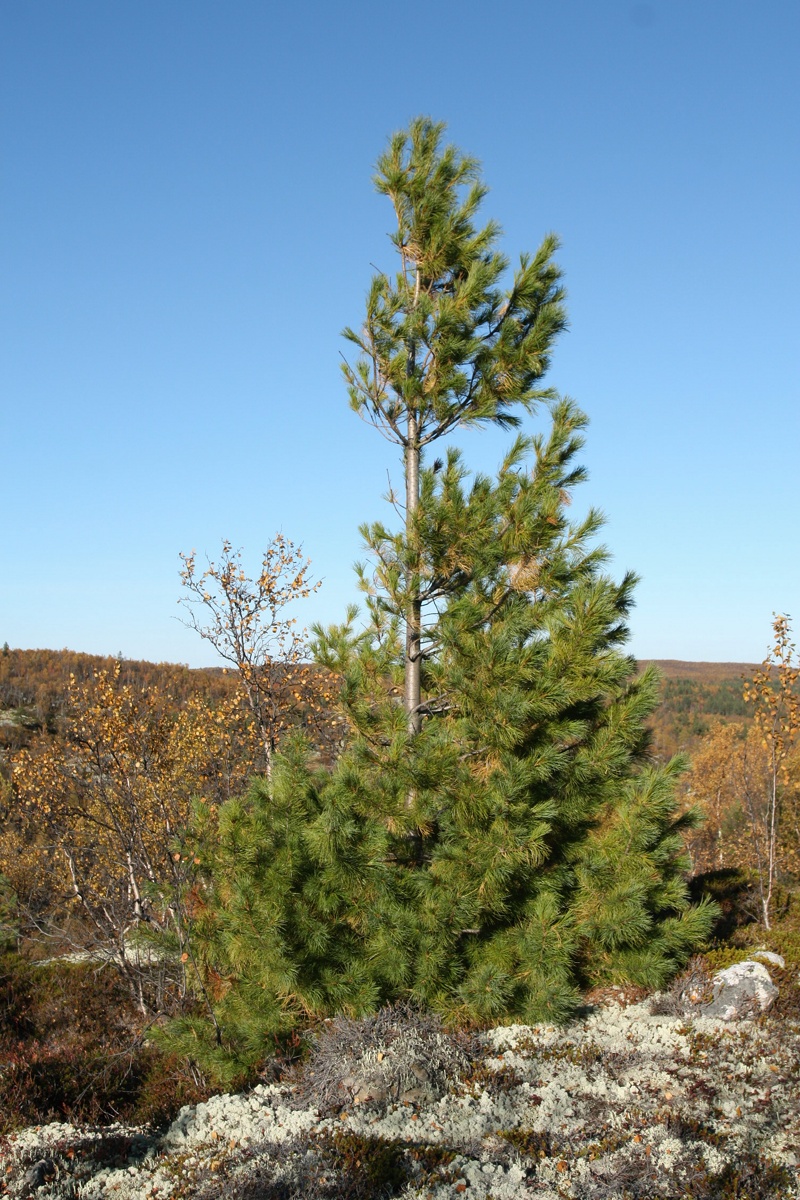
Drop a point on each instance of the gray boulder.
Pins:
(769, 956)
(742, 991)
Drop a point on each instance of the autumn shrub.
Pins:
(88, 835)
(15, 987)
(738, 925)
(138, 1086)
(245, 620)
(40, 1084)
(746, 782)
(73, 1049)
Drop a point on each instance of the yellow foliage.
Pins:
(98, 808)
(748, 781)
(244, 621)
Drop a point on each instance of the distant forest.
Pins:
(34, 684)
(694, 696)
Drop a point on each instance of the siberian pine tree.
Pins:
(275, 939)
(443, 346)
(543, 851)
(494, 837)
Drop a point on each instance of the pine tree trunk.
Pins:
(413, 663)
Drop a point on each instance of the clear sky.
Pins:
(188, 222)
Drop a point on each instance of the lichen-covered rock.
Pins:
(769, 956)
(742, 991)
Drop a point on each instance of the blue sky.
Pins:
(188, 223)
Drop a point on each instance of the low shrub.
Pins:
(72, 1049)
(400, 1054)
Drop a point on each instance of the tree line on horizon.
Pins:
(34, 691)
